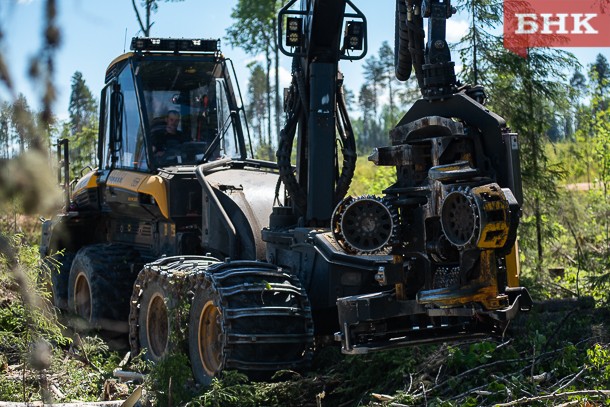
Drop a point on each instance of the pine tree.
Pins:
(257, 93)
(82, 108)
(5, 137)
(82, 126)
(22, 123)
(255, 31)
(599, 77)
(578, 90)
(481, 45)
(366, 100)
(388, 66)
(374, 75)
(526, 92)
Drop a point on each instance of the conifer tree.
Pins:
(527, 92)
(255, 31)
(82, 126)
(257, 93)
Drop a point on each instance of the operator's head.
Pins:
(172, 120)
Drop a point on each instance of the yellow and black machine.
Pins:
(274, 258)
(435, 257)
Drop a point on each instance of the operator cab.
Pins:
(168, 103)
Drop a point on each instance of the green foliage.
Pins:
(230, 391)
(98, 354)
(255, 31)
(371, 179)
(256, 110)
(32, 340)
(480, 46)
(169, 380)
(378, 118)
(287, 389)
(598, 358)
(82, 127)
(81, 376)
(265, 151)
(475, 354)
(29, 316)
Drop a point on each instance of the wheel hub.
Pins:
(82, 297)
(209, 333)
(157, 326)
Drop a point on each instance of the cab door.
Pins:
(124, 162)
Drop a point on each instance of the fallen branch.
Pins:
(510, 384)
(467, 393)
(571, 380)
(570, 403)
(527, 400)
(125, 376)
(475, 370)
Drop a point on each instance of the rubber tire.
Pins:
(107, 271)
(59, 270)
(161, 344)
(277, 306)
(203, 296)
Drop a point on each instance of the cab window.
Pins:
(193, 92)
(133, 153)
(104, 146)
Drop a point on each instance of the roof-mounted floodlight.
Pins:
(294, 26)
(175, 45)
(294, 31)
(353, 37)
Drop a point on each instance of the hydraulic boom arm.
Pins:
(315, 106)
(435, 257)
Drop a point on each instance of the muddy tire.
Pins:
(251, 317)
(159, 305)
(206, 346)
(154, 321)
(59, 276)
(100, 284)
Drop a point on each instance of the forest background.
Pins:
(559, 108)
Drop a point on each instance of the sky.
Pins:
(94, 32)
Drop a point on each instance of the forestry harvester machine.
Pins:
(261, 261)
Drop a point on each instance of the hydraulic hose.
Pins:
(403, 62)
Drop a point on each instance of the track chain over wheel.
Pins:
(248, 316)
(156, 314)
(101, 280)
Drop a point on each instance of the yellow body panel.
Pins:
(152, 185)
(513, 268)
(155, 186)
(87, 182)
(117, 60)
(493, 235)
(483, 290)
